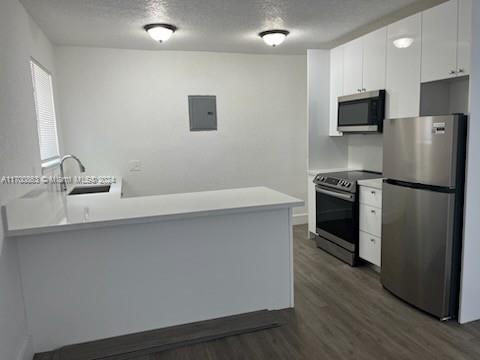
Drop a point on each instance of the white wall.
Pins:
(324, 152)
(121, 105)
(470, 292)
(20, 38)
(365, 152)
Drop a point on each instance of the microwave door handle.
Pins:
(347, 197)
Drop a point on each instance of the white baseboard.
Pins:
(26, 352)
(299, 219)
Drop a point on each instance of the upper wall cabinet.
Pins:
(336, 87)
(353, 67)
(403, 68)
(374, 59)
(446, 40)
(364, 63)
(464, 36)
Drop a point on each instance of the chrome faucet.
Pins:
(80, 165)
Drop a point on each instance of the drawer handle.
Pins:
(373, 211)
(372, 240)
(373, 192)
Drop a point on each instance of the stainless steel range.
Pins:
(337, 212)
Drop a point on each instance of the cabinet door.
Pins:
(403, 69)
(336, 87)
(464, 36)
(371, 220)
(439, 41)
(374, 59)
(370, 248)
(370, 196)
(312, 214)
(352, 66)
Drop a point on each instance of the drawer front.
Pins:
(371, 219)
(370, 248)
(370, 196)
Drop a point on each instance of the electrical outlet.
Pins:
(134, 165)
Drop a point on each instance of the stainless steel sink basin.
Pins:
(89, 189)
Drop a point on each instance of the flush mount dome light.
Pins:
(402, 43)
(160, 32)
(274, 37)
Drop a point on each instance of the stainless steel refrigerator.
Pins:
(422, 220)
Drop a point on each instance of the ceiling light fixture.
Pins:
(403, 43)
(160, 32)
(274, 37)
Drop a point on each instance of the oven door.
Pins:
(336, 217)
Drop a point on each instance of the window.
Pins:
(45, 110)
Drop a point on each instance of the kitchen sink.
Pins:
(89, 189)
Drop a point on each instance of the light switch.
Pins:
(135, 165)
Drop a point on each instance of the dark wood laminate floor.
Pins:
(341, 313)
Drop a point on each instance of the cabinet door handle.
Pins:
(452, 72)
(359, 90)
(461, 70)
(373, 211)
(364, 89)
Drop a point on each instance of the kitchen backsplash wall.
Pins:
(365, 151)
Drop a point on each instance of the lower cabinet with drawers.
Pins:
(370, 240)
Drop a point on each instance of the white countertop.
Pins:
(373, 183)
(43, 211)
(313, 172)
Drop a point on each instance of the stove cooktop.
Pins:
(345, 180)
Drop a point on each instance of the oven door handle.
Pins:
(347, 197)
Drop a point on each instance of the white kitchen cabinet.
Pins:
(370, 196)
(370, 236)
(311, 198)
(403, 69)
(370, 248)
(336, 87)
(464, 36)
(439, 41)
(374, 59)
(364, 63)
(370, 219)
(446, 37)
(353, 67)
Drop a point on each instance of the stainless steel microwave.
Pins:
(361, 113)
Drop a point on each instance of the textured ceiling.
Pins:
(209, 25)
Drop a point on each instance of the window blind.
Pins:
(45, 111)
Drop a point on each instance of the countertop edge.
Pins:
(145, 219)
(372, 183)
